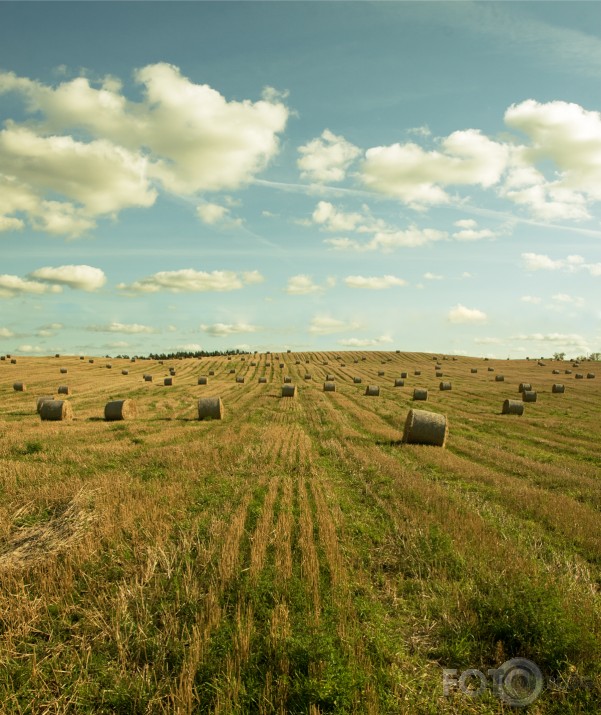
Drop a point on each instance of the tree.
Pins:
(559, 356)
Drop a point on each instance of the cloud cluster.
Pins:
(326, 325)
(570, 264)
(220, 330)
(374, 282)
(51, 280)
(182, 136)
(461, 314)
(364, 342)
(327, 158)
(188, 280)
(128, 328)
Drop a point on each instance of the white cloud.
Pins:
(564, 298)
(326, 158)
(78, 277)
(186, 136)
(568, 340)
(188, 280)
(488, 341)
(6, 333)
(461, 314)
(11, 286)
(535, 300)
(332, 219)
(542, 262)
(416, 176)
(219, 330)
(374, 282)
(118, 344)
(467, 223)
(211, 213)
(29, 349)
(190, 347)
(412, 237)
(129, 328)
(433, 276)
(364, 342)
(326, 325)
(302, 285)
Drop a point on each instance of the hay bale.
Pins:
(342, 364)
(529, 396)
(232, 372)
(13, 361)
(281, 364)
(287, 379)
(211, 373)
(57, 355)
(40, 401)
(399, 383)
(567, 372)
(109, 366)
(420, 393)
(380, 373)
(372, 391)
(148, 378)
(263, 380)
(541, 363)
(524, 386)
(438, 373)
(240, 379)
(81, 357)
(329, 378)
(63, 371)
(308, 377)
(202, 380)
(474, 370)
(404, 375)
(120, 410)
(356, 361)
(445, 386)
(555, 372)
(297, 362)
(357, 380)
(210, 408)
(329, 386)
(288, 390)
(423, 427)
(499, 378)
(172, 371)
(558, 389)
(253, 364)
(2, 357)
(268, 364)
(19, 387)
(90, 360)
(579, 376)
(168, 381)
(56, 410)
(64, 390)
(590, 376)
(125, 372)
(417, 372)
(513, 407)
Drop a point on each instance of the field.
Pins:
(295, 557)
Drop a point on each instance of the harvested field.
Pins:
(295, 556)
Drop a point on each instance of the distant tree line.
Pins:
(184, 354)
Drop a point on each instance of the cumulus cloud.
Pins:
(461, 314)
(11, 286)
(6, 333)
(488, 341)
(364, 342)
(374, 282)
(129, 328)
(183, 135)
(326, 325)
(568, 340)
(331, 218)
(215, 214)
(188, 280)
(542, 262)
(388, 241)
(220, 330)
(82, 277)
(432, 276)
(535, 300)
(190, 347)
(326, 158)
(416, 176)
(565, 299)
(469, 231)
(29, 349)
(302, 285)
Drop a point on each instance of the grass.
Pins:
(294, 557)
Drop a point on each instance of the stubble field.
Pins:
(294, 557)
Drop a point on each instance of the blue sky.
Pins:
(302, 175)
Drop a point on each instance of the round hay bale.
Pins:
(64, 390)
(357, 380)
(579, 376)
(253, 364)
(211, 408)
(90, 361)
(491, 369)
(297, 362)
(2, 357)
(120, 410)
(168, 381)
(474, 370)
(524, 386)
(148, 378)
(420, 393)
(263, 380)
(172, 371)
(81, 357)
(438, 373)
(557, 388)
(64, 370)
(13, 361)
(329, 378)
(202, 380)
(133, 360)
(404, 375)
(57, 355)
(232, 372)
(541, 363)
(211, 373)
(372, 391)
(229, 357)
(109, 366)
(399, 383)
(513, 407)
(499, 378)
(308, 377)
(555, 372)
(417, 372)
(445, 386)
(281, 364)
(19, 387)
(380, 373)
(240, 379)
(423, 427)
(56, 410)
(287, 379)
(529, 396)
(40, 401)
(125, 372)
(288, 390)
(342, 364)
(268, 364)
(567, 372)
(356, 361)
(329, 386)
(590, 376)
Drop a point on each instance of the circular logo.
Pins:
(520, 682)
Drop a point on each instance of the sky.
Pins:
(419, 176)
